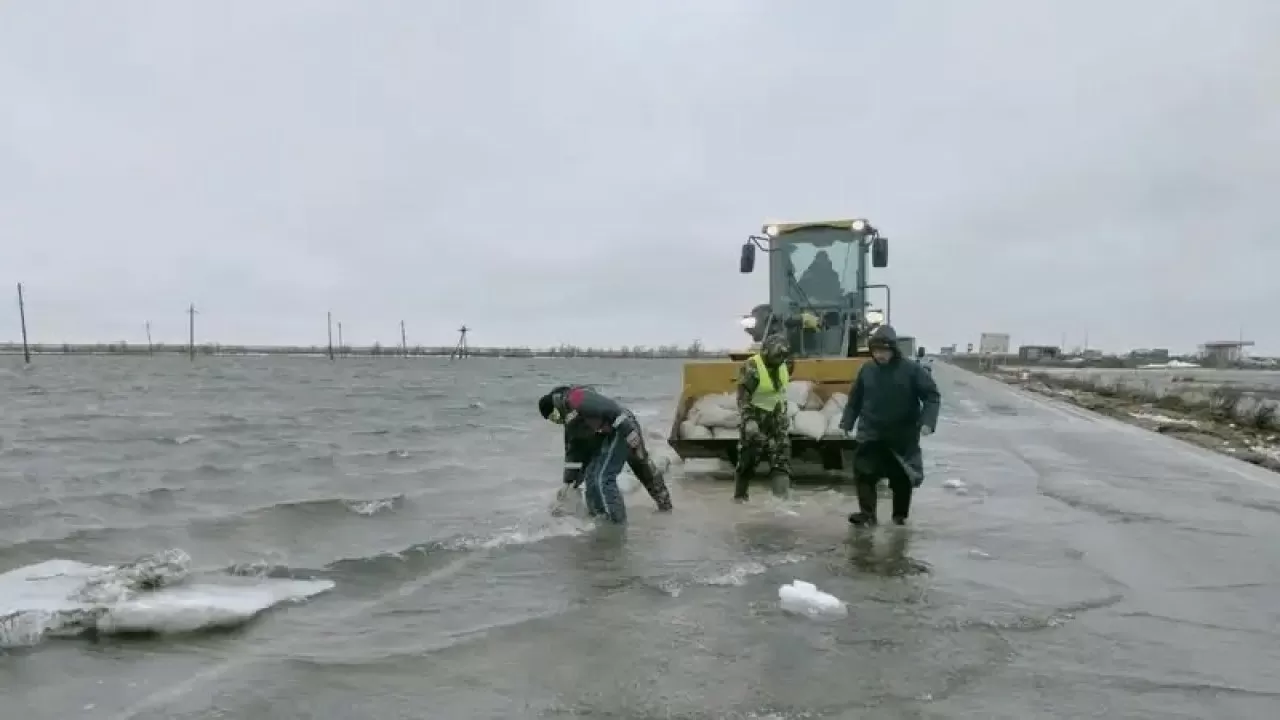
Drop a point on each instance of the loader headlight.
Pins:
(858, 225)
(748, 322)
(875, 317)
(771, 231)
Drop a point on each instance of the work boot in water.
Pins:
(741, 485)
(866, 515)
(781, 483)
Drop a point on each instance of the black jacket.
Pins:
(589, 418)
(891, 402)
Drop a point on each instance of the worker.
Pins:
(600, 435)
(894, 402)
(764, 426)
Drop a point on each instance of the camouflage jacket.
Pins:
(749, 380)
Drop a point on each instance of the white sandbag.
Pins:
(721, 433)
(792, 409)
(810, 423)
(714, 416)
(798, 392)
(718, 410)
(833, 407)
(814, 402)
(690, 430)
(833, 424)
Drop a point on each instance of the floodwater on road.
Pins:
(389, 518)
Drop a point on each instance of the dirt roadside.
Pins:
(1242, 422)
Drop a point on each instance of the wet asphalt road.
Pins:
(1089, 570)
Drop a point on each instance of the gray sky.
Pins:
(584, 172)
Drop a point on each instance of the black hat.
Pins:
(546, 405)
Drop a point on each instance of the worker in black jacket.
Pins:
(600, 435)
(894, 401)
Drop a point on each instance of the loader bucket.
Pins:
(708, 377)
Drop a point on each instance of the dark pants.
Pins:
(872, 461)
(637, 458)
(600, 478)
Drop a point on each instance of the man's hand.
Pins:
(750, 427)
(925, 431)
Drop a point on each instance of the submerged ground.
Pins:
(1091, 568)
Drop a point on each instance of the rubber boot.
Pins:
(741, 483)
(781, 483)
(901, 503)
(866, 515)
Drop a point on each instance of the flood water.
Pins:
(390, 519)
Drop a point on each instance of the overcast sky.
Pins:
(585, 171)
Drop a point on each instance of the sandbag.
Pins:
(810, 423)
(833, 424)
(798, 392)
(714, 416)
(722, 433)
(834, 406)
(690, 430)
(814, 402)
(716, 410)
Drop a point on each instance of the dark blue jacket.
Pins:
(891, 402)
(589, 416)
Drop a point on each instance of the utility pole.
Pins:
(22, 318)
(404, 343)
(191, 330)
(150, 348)
(330, 335)
(342, 349)
(461, 350)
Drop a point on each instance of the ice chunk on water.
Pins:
(953, 484)
(806, 599)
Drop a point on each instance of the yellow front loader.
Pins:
(817, 300)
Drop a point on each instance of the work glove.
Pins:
(925, 431)
(750, 427)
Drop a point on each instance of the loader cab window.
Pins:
(825, 263)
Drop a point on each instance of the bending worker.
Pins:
(600, 435)
(894, 401)
(764, 428)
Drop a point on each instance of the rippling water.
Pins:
(412, 495)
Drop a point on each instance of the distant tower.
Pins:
(461, 350)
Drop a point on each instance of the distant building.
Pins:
(1224, 352)
(947, 350)
(907, 345)
(993, 344)
(1033, 353)
(1153, 355)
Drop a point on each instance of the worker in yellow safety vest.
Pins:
(764, 425)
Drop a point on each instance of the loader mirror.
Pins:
(920, 353)
(747, 262)
(879, 252)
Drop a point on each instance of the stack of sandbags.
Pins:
(804, 405)
(833, 411)
(711, 416)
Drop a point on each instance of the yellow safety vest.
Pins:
(767, 397)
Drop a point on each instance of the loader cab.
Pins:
(818, 290)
